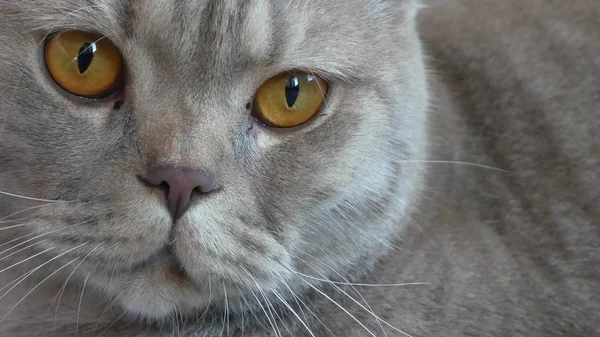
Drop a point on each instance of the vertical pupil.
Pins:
(85, 56)
(292, 89)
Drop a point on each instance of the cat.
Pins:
(299, 168)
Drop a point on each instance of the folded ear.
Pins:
(403, 9)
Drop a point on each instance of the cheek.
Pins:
(318, 164)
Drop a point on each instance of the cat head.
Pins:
(192, 150)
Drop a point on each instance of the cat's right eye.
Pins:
(84, 64)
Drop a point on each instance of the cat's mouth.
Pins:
(166, 260)
(174, 268)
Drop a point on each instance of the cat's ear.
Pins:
(401, 9)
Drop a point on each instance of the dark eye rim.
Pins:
(257, 116)
(114, 91)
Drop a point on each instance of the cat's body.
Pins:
(499, 235)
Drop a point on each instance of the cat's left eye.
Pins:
(289, 99)
(84, 64)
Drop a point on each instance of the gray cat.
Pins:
(299, 168)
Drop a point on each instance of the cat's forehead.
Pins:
(210, 32)
(221, 30)
(124, 17)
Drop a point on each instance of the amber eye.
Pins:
(289, 99)
(82, 63)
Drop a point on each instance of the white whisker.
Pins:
(273, 325)
(34, 288)
(361, 284)
(250, 308)
(64, 286)
(369, 309)
(454, 162)
(106, 310)
(293, 312)
(243, 314)
(15, 226)
(296, 298)
(111, 324)
(372, 313)
(209, 302)
(26, 209)
(22, 249)
(271, 311)
(31, 239)
(38, 267)
(363, 298)
(226, 312)
(79, 306)
(27, 259)
(15, 280)
(22, 243)
(16, 239)
(341, 307)
(30, 198)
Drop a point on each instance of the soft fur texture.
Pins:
(457, 154)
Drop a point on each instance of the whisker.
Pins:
(111, 324)
(372, 313)
(369, 310)
(260, 303)
(79, 306)
(174, 324)
(16, 239)
(341, 307)
(106, 310)
(293, 312)
(27, 259)
(30, 198)
(454, 162)
(250, 308)
(40, 266)
(34, 288)
(271, 310)
(362, 297)
(243, 313)
(209, 302)
(26, 209)
(31, 239)
(226, 312)
(360, 284)
(279, 316)
(22, 249)
(15, 226)
(15, 280)
(296, 298)
(22, 243)
(64, 286)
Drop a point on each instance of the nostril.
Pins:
(163, 187)
(179, 184)
(205, 183)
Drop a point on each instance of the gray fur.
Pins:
(456, 152)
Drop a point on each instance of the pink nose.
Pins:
(180, 184)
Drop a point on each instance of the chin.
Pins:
(155, 291)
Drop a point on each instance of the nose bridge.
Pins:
(177, 135)
(161, 131)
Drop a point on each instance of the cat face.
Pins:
(266, 203)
